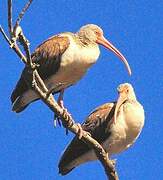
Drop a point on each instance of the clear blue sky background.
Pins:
(30, 147)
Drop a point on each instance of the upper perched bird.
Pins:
(63, 59)
(115, 126)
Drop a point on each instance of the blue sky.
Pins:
(30, 147)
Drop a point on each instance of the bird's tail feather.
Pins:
(63, 171)
(21, 102)
(75, 154)
(65, 167)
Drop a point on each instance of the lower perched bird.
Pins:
(115, 126)
(63, 59)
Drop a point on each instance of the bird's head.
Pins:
(126, 93)
(94, 34)
(126, 90)
(90, 32)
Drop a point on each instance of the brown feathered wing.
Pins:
(48, 56)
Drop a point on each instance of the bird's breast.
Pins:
(124, 132)
(75, 61)
(134, 117)
(79, 56)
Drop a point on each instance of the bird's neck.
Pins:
(83, 41)
(132, 97)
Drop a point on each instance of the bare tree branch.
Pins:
(25, 43)
(14, 46)
(109, 165)
(22, 13)
(10, 27)
(5, 36)
(46, 96)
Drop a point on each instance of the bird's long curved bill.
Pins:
(103, 41)
(120, 101)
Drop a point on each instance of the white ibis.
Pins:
(62, 59)
(115, 126)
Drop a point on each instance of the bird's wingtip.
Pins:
(64, 170)
(18, 106)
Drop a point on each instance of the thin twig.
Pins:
(10, 27)
(5, 36)
(22, 57)
(22, 13)
(13, 46)
(26, 45)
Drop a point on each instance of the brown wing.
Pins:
(48, 57)
(97, 124)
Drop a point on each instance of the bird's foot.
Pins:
(65, 113)
(80, 131)
(67, 116)
(57, 120)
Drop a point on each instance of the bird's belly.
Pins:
(66, 76)
(124, 132)
(116, 143)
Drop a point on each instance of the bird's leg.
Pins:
(61, 104)
(60, 99)
(69, 123)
